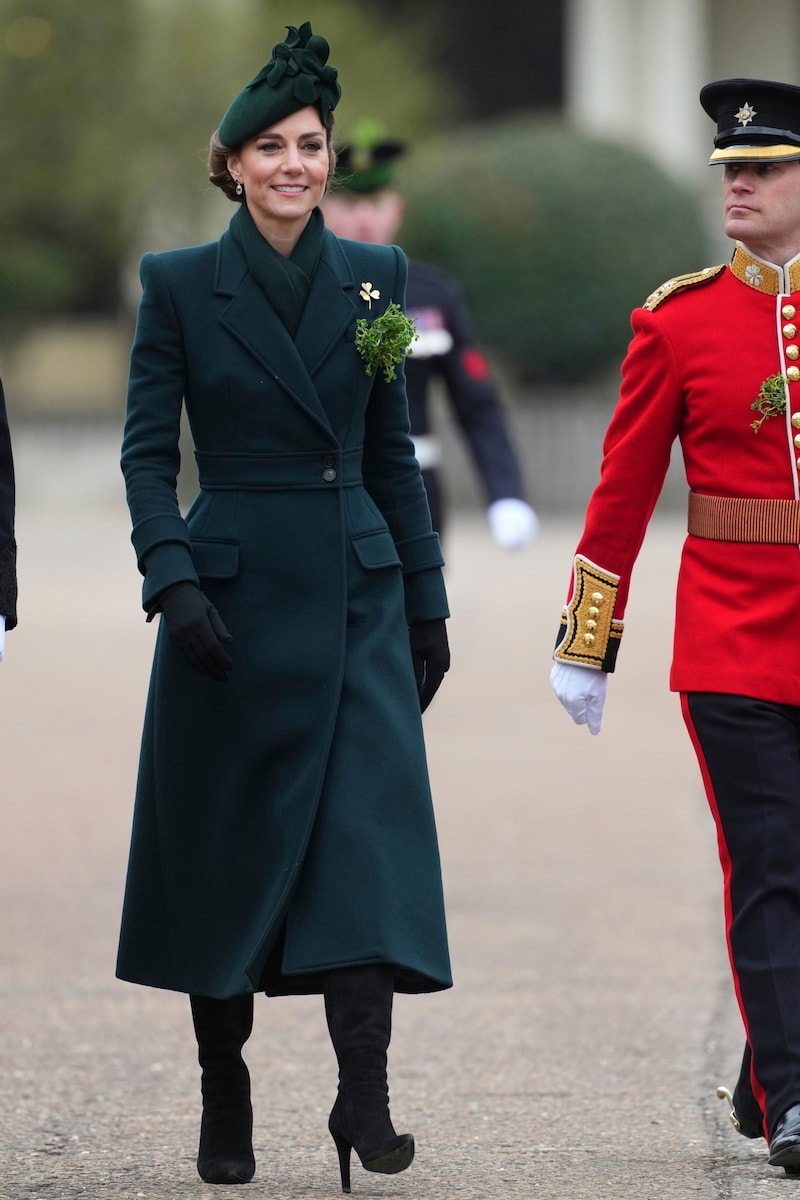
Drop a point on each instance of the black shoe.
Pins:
(784, 1146)
(749, 1127)
(394, 1154)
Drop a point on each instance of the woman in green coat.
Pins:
(283, 835)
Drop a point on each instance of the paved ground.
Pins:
(592, 1016)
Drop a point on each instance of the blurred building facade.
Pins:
(633, 69)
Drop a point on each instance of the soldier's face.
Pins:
(761, 207)
(375, 218)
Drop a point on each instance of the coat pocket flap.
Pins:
(375, 550)
(215, 560)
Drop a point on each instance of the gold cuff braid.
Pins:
(589, 635)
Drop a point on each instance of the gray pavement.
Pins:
(592, 1016)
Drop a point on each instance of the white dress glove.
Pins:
(2, 636)
(513, 523)
(582, 691)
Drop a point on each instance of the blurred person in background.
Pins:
(283, 834)
(365, 205)
(715, 362)
(8, 545)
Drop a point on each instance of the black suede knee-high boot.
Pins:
(358, 1006)
(226, 1131)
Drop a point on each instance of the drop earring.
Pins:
(239, 188)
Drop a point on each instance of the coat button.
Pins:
(789, 330)
(788, 311)
(329, 474)
(796, 420)
(793, 374)
(793, 351)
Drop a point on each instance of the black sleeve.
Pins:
(472, 390)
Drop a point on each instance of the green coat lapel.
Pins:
(330, 308)
(254, 323)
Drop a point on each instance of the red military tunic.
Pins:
(703, 345)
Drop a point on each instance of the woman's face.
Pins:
(284, 171)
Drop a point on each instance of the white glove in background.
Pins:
(513, 523)
(2, 636)
(582, 692)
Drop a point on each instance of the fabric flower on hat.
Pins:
(297, 75)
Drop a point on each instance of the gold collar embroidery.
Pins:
(764, 276)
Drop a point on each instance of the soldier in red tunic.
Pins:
(715, 362)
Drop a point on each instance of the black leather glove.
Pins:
(196, 628)
(430, 654)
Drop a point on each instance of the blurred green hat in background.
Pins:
(365, 164)
(296, 76)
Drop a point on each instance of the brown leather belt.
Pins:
(744, 519)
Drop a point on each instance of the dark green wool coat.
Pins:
(283, 822)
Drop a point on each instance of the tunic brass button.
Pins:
(793, 373)
(595, 612)
(588, 639)
(592, 625)
(789, 330)
(597, 597)
(796, 420)
(797, 440)
(792, 351)
(788, 311)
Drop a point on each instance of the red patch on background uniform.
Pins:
(475, 364)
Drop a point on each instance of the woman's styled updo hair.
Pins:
(220, 176)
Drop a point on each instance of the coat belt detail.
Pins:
(274, 472)
(744, 519)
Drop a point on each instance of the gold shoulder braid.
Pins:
(589, 635)
(678, 283)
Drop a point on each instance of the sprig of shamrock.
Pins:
(771, 400)
(386, 340)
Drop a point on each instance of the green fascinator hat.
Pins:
(296, 76)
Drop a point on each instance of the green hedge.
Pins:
(554, 237)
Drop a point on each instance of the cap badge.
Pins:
(745, 114)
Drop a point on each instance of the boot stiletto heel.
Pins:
(395, 1154)
(343, 1149)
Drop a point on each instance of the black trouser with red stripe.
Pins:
(749, 754)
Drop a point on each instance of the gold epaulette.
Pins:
(589, 634)
(679, 283)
